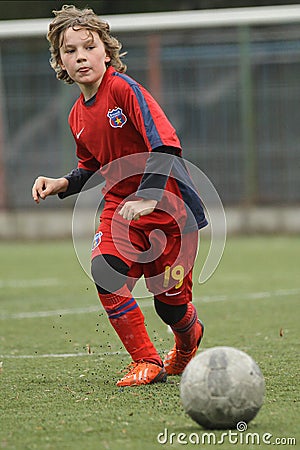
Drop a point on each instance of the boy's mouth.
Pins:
(83, 69)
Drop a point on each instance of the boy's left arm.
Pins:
(134, 209)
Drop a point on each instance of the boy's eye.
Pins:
(90, 47)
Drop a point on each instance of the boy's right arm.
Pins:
(44, 186)
(68, 185)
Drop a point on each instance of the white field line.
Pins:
(4, 284)
(207, 299)
(72, 355)
(63, 355)
(249, 295)
(54, 313)
(148, 303)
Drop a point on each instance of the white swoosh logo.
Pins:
(78, 134)
(172, 295)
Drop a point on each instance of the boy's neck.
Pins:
(89, 91)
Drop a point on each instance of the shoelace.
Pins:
(184, 357)
(129, 368)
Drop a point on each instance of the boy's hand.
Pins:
(133, 210)
(44, 186)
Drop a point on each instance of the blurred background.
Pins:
(225, 72)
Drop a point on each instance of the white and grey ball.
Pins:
(221, 387)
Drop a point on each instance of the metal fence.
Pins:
(232, 93)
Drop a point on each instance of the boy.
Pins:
(113, 119)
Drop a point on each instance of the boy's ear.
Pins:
(61, 64)
(107, 58)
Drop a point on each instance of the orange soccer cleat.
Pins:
(176, 360)
(143, 372)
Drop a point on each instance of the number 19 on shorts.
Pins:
(175, 273)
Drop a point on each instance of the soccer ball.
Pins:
(221, 387)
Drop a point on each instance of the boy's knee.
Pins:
(170, 314)
(109, 273)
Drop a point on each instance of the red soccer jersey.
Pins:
(124, 119)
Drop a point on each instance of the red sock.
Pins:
(187, 331)
(128, 321)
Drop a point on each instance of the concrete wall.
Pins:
(57, 224)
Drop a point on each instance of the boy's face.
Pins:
(84, 57)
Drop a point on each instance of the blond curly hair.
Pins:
(70, 16)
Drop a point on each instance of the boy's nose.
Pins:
(81, 57)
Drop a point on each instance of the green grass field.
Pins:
(56, 395)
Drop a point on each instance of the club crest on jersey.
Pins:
(116, 117)
(97, 239)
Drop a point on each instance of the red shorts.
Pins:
(151, 247)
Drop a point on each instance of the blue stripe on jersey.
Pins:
(190, 196)
(151, 130)
(123, 309)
